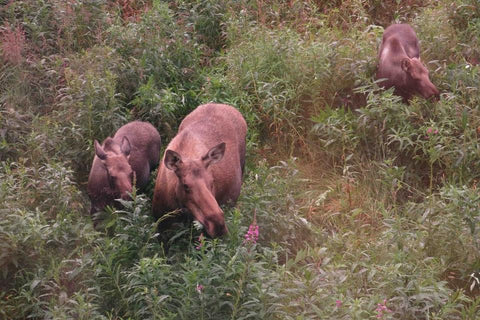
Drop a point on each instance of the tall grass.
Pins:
(289, 78)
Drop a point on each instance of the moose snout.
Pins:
(429, 91)
(221, 229)
(215, 225)
(436, 94)
(126, 196)
(433, 92)
(435, 97)
(125, 191)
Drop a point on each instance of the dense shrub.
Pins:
(434, 142)
(163, 61)
(89, 106)
(311, 15)
(53, 26)
(42, 233)
(377, 217)
(289, 79)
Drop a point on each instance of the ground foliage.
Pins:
(365, 207)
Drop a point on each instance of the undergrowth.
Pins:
(354, 204)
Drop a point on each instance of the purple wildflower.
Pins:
(199, 288)
(430, 131)
(252, 233)
(338, 303)
(200, 241)
(382, 309)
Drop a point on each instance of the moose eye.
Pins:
(187, 189)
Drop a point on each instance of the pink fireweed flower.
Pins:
(430, 131)
(200, 241)
(382, 309)
(199, 288)
(252, 233)
(338, 303)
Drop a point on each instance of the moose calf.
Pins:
(399, 63)
(127, 157)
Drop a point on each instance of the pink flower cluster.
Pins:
(200, 242)
(430, 130)
(199, 288)
(12, 43)
(382, 309)
(252, 233)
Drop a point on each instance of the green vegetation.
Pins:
(367, 208)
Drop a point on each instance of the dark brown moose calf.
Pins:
(127, 157)
(399, 63)
(203, 165)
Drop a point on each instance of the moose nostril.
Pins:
(215, 228)
(221, 229)
(434, 96)
(225, 230)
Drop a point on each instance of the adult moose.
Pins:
(203, 165)
(399, 63)
(127, 157)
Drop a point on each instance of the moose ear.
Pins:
(99, 151)
(214, 155)
(172, 160)
(125, 146)
(406, 64)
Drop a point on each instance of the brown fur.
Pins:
(132, 152)
(399, 63)
(203, 165)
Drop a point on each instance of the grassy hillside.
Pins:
(367, 208)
